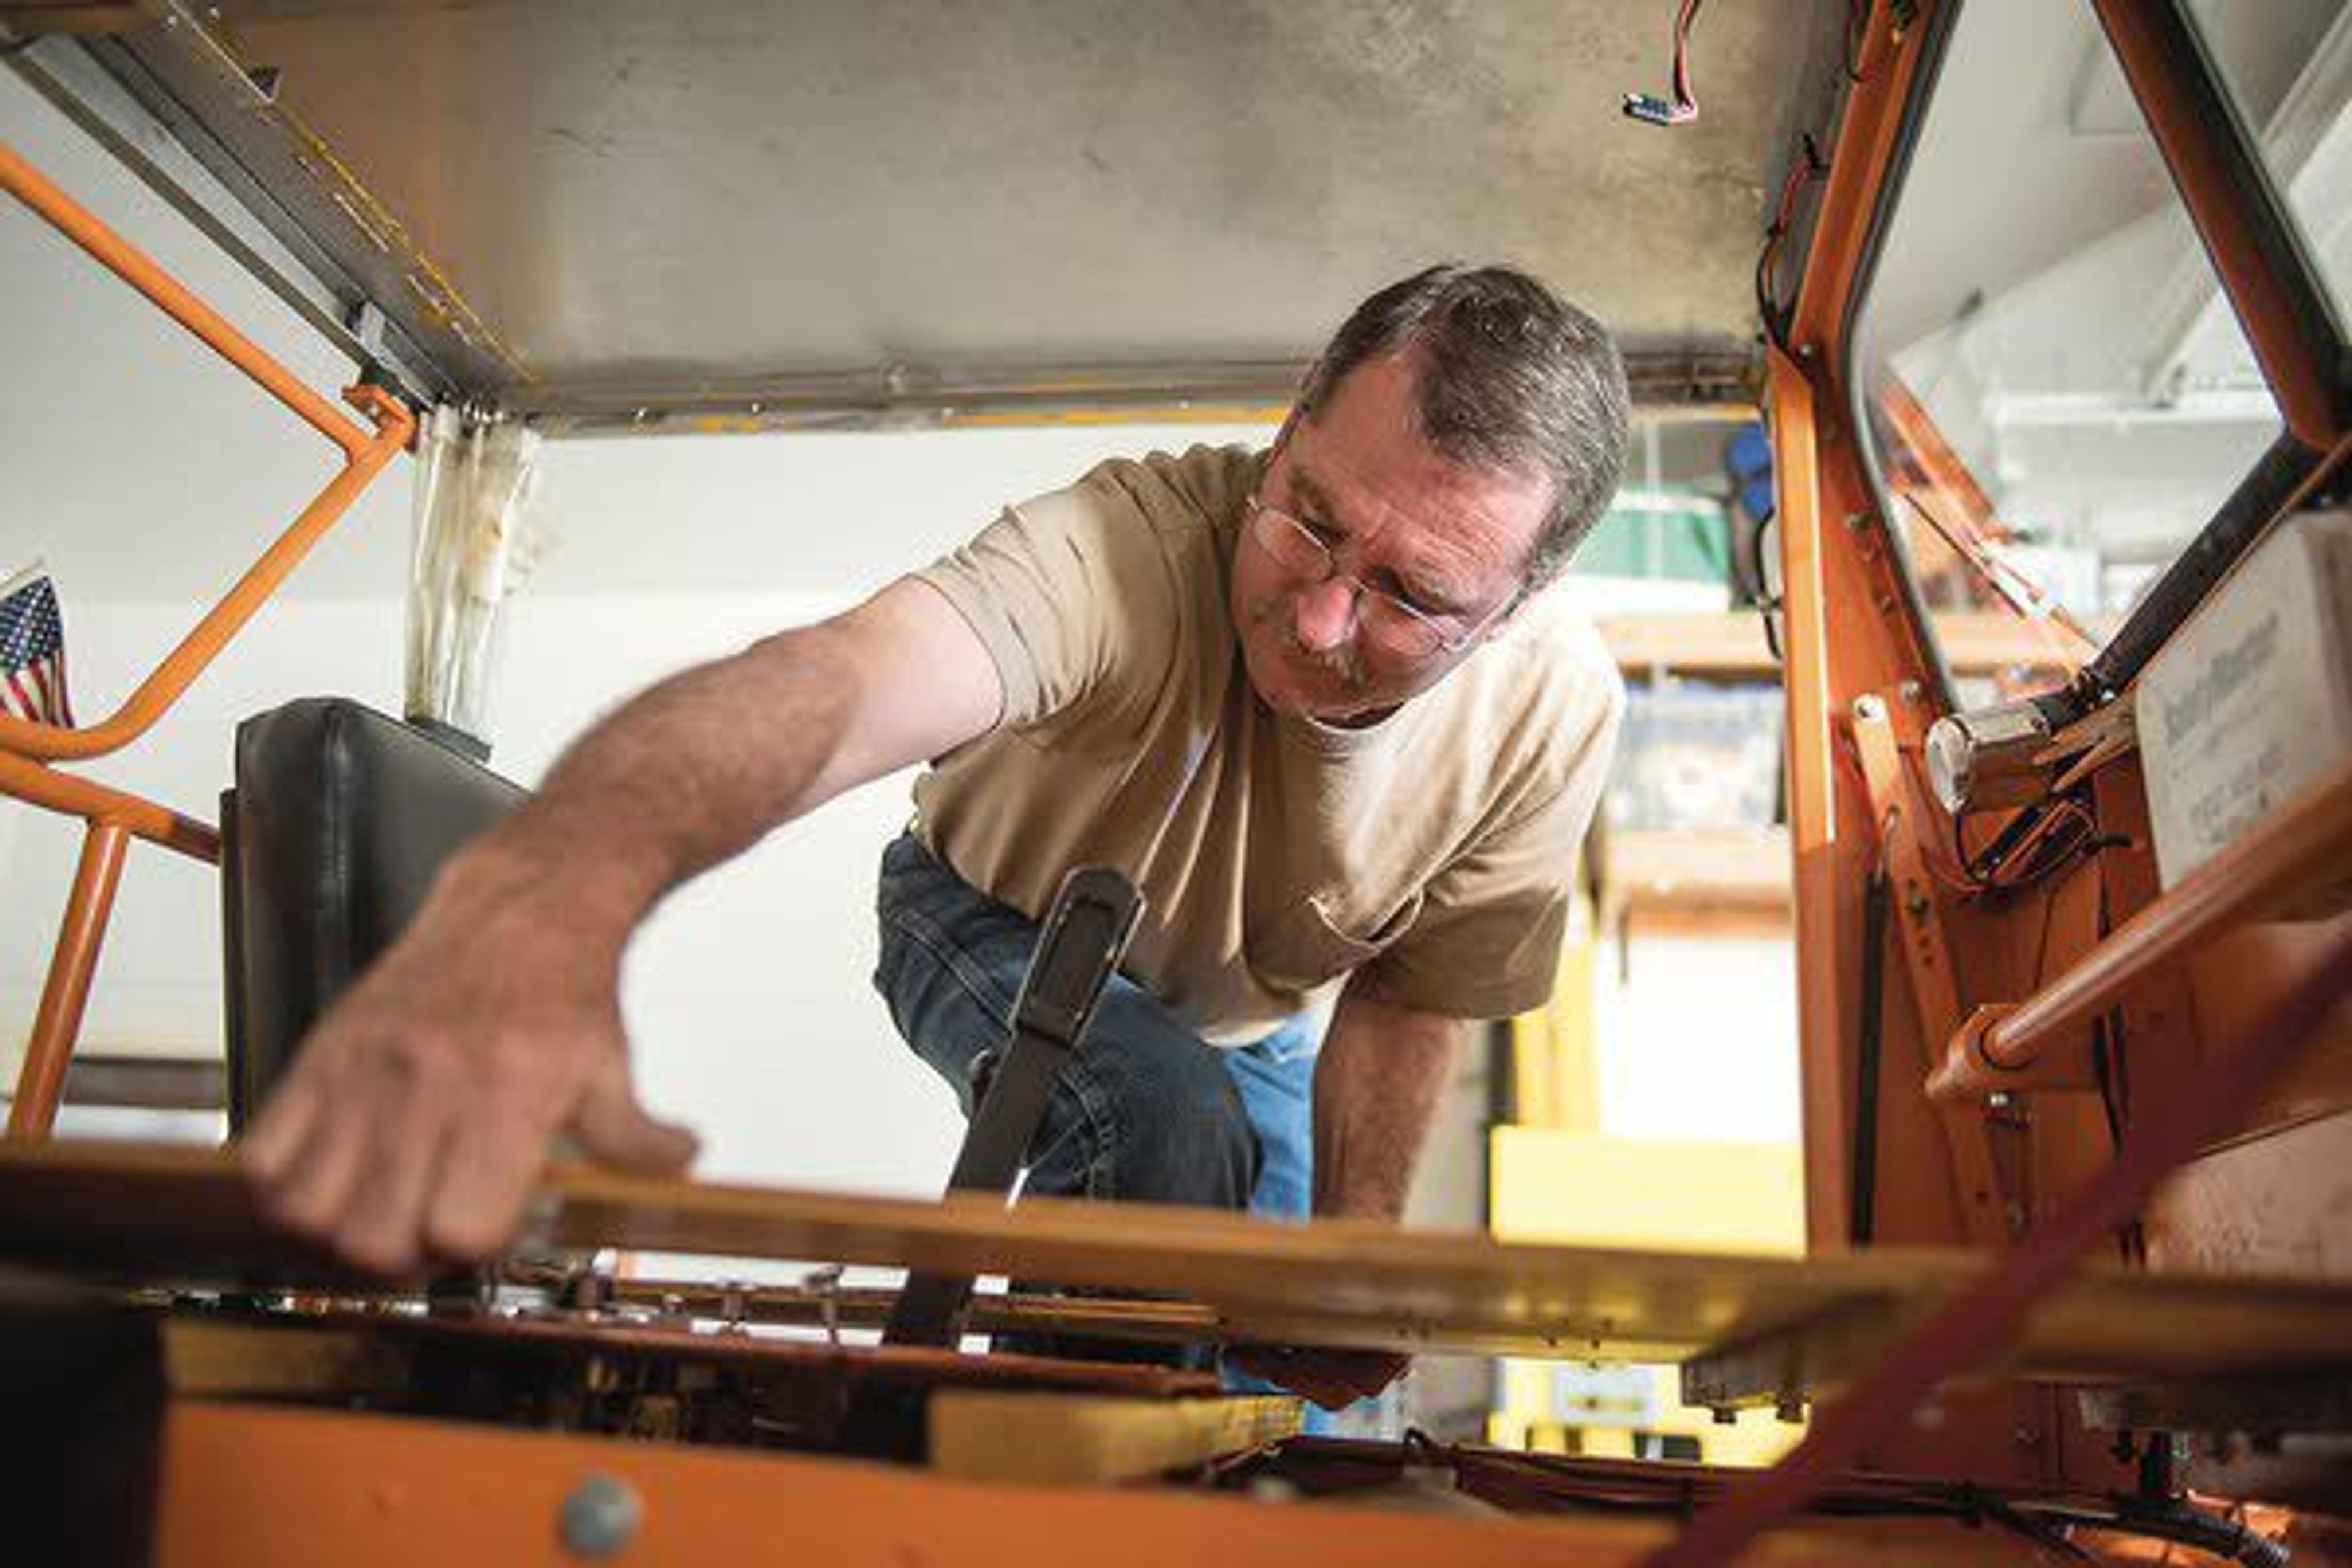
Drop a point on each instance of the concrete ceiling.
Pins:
(748, 187)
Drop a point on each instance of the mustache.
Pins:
(1339, 663)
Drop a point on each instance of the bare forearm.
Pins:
(1382, 1070)
(683, 776)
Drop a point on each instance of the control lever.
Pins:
(1085, 933)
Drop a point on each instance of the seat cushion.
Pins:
(339, 819)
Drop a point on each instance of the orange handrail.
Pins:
(2299, 848)
(113, 818)
(366, 454)
(111, 251)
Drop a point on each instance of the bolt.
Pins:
(1913, 691)
(1869, 707)
(1998, 1099)
(600, 1517)
(1790, 1409)
(2025, 1436)
(1915, 901)
(1854, 519)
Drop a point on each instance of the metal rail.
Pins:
(113, 818)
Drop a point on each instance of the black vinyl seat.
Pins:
(337, 821)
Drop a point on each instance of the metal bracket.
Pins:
(1785, 1367)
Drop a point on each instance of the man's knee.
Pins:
(1169, 1125)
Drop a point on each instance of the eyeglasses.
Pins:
(1395, 627)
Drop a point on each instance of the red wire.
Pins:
(1682, 20)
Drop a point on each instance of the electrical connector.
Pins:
(1654, 110)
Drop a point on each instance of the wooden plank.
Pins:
(1049, 1439)
(1697, 868)
(143, 1211)
(1731, 644)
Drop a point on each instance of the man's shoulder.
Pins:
(1556, 655)
(1542, 699)
(1200, 487)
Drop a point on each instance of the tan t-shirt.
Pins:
(1277, 855)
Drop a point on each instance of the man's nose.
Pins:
(1325, 614)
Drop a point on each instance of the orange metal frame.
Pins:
(2028, 973)
(113, 818)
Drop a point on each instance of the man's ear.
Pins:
(1282, 436)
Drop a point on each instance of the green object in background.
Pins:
(1676, 536)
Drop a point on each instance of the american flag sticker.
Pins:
(32, 650)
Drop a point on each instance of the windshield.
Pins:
(2058, 392)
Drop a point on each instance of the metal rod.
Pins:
(1666, 384)
(41, 1081)
(2302, 847)
(165, 684)
(126, 261)
(36, 783)
(2263, 266)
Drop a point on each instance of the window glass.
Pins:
(2060, 396)
(2287, 64)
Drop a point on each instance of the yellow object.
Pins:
(1655, 1194)
(1556, 1076)
(1062, 1439)
(1581, 1188)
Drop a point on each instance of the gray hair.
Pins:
(1509, 375)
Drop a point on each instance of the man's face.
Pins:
(1444, 537)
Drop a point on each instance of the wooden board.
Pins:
(1050, 1439)
(140, 1211)
(1731, 644)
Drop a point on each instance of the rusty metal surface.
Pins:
(585, 194)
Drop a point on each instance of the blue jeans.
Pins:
(1146, 1110)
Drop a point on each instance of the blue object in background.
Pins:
(1747, 458)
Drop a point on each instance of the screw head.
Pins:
(600, 1517)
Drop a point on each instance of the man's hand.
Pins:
(416, 1118)
(1332, 1379)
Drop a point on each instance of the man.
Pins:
(1310, 700)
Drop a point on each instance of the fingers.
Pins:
(381, 1226)
(489, 1169)
(268, 1149)
(305, 1190)
(613, 1127)
(1333, 1379)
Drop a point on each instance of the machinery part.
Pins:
(1990, 756)
(1085, 933)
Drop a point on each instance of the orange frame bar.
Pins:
(2301, 848)
(113, 818)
